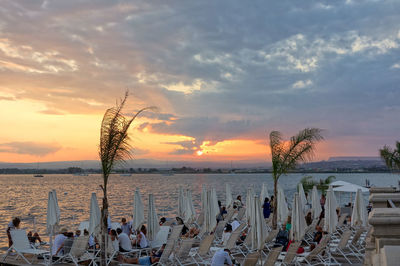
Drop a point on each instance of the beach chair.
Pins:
(269, 240)
(291, 253)
(316, 256)
(251, 259)
(219, 230)
(182, 256)
(202, 255)
(241, 227)
(164, 259)
(355, 242)
(231, 244)
(22, 246)
(229, 215)
(272, 256)
(161, 237)
(176, 232)
(241, 214)
(343, 249)
(78, 252)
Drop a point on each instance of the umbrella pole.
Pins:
(51, 246)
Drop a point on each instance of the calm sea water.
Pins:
(26, 196)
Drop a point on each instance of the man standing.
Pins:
(126, 228)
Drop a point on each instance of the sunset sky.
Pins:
(223, 74)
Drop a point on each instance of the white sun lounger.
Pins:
(22, 246)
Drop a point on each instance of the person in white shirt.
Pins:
(221, 257)
(13, 225)
(226, 234)
(59, 242)
(141, 239)
(124, 241)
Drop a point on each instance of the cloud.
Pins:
(218, 70)
(30, 148)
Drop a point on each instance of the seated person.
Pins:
(179, 221)
(222, 257)
(58, 245)
(141, 239)
(309, 218)
(124, 241)
(317, 237)
(68, 242)
(148, 260)
(114, 239)
(162, 221)
(226, 234)
(282, 239)
(77, 233)
(33, 238)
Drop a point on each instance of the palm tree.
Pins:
(391, 157)
(323, 184)
(114, 148)
(287, 155)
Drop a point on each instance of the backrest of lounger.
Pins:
(20, 240)
(186, 246)
(241, 213)
(247, 240)
(79, 246)
(176, 232)
(220, 228)
(357, 236)
(240, 227)
(291, 253)
(251, 259)
(205, 245)
(161, 237)
(231, 243)
(229, 215)
(200, 219)
(342, 218)
(271, 235)
(344, 239)
(273, 256)
(320, 247)
(167, 250)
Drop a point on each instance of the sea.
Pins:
(26, 196)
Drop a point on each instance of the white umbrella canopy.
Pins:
(264, 193)
(302, 197)
(249, 200)
(257, 224)
(316, 205)
(53, 218)
(181, 203)
(57, 207)
(359, 215)
(152, 220)
(298, 221)
(95, 216)
(342, 186)
(214, 202)
(138, 211)
(190, 213)
(282, 208)
(331, 218)
(210, 220)
(228, 193)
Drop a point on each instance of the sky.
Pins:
(223, 75)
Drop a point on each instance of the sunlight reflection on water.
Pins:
(25, 196)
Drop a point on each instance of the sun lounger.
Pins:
(161, 237)
(291, 253)
(78, 252)
(241, 214)
(229, 215)
(182, 256)
(251, 259)
(164, 259)
(219, 229)
(202, 254)
(22, 246)
(343, 248)
(273, 256)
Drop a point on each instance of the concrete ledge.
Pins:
(380, 200)
(390, 255)
(382, 190)
(383, 242)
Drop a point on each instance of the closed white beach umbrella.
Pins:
(53, 218)
(298, 220)
(264, 193)
(95, 216)
(257, 224)
(210, 220)
(203, 198)
(190, 213)
(302, 197)
(214, 200)
(57, 207)
(282, 208)
(152, 220)
(331, 218)
(315, 204)
(359, 215)
(228, 193)
(138, 211)
(249, 200)
(181, 203)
